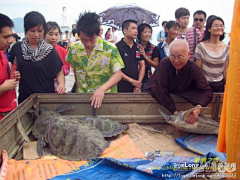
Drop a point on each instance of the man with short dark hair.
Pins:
(7, 86)
(74, 26)
(130, 53)
(199, 19)
(97, 63)
(191, 35)
(161, 34)
(176, 74)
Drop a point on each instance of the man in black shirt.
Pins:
(130, 53)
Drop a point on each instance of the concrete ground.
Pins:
(69, 81)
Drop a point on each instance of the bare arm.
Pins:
(61, 81)
(112, 81)
(97, 97)
(141, 71)
(134, 82)
(8, 84)
(140, 76)
(160, 40)
(153, 62)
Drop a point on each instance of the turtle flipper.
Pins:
(40, 144)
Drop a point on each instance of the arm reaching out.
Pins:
(61, 81)
(97, 97)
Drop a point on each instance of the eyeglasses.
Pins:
(199, 19)
(173, 58)
(217, 25)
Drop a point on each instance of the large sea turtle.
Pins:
(67, 138)
(203, 125)
(73, 138)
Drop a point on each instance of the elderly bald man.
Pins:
(176, 74)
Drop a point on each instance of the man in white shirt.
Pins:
(115, 37)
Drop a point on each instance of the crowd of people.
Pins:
(191, 62)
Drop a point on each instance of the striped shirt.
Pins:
(189, 37)
(213, 62)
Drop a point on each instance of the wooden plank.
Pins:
(119, 104)
(10, 137)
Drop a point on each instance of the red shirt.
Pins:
(8, 99)
(62, 54)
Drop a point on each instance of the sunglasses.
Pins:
(200, 19)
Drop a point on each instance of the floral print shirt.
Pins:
(95, 70)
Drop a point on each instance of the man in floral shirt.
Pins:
(97, 63)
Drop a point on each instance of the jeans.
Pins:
(144, 84)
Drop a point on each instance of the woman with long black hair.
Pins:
(212, 54)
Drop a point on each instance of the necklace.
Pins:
(214, 46)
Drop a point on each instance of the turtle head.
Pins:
(169, 118)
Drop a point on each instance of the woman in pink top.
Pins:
(52, 34)
(108, 34)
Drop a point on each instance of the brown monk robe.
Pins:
(179, 76)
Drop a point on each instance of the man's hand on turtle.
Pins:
(192, 118)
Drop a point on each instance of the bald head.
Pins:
(179, 53)
(180, 43)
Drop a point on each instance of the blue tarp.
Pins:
(201, 144)
(121, 169)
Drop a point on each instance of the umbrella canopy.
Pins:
(116, 15)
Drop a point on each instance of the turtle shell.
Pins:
(106, 126)
(71, 140)
(42, 122)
